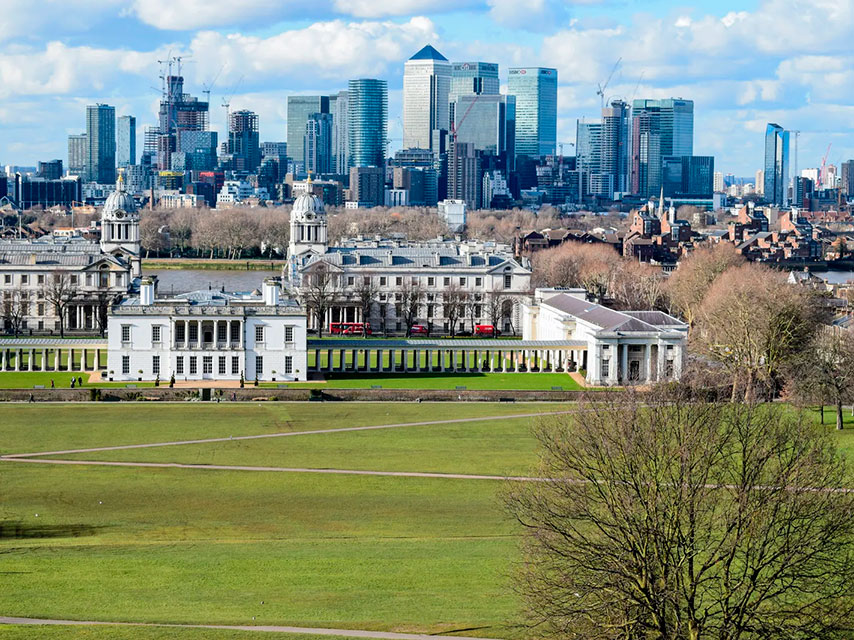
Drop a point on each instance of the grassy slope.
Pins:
(62, 380)
(194, 546)
(504, 447)
(29, 428)
(112, 632)
(447, 381)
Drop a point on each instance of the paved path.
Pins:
(318, 631)
(279, 435)
(223, 467)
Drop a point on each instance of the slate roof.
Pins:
(611, 320)
(409, 257)
(429, 53)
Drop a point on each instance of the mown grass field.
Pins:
(478, 381)
(176, 545)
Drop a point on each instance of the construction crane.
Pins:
(822, 175)
(454, 127)
(208, 86)
(602, 87)
(637, 86)
(226, 101)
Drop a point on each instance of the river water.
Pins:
(183, 280)
(835, 277)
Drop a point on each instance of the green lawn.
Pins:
(30, 428)
(62, 380)
(497, 447)
(112, 632)
(176, 545)
(478, 381)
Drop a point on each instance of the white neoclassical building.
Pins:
(480, 271)
(623, 347)
(207, 335)
(92, 274)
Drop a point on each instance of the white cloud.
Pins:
(197, 14)
(331, 50)
(383, 8)
(21, 20)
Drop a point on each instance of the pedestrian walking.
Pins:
(52, 385)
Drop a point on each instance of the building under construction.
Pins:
(179, 112)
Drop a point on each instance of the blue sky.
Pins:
(743, 63)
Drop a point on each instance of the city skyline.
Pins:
(743, 65)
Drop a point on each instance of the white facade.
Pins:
(207, 335)
(454, 214)
(233, 191)
(623, 347)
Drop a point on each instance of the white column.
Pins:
(624, 362)
(662, 351)
(17, 360)
(57, 359)
(647, 362)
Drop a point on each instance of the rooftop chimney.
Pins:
(271, 292)
(146, 292)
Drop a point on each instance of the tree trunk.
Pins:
(839, 415)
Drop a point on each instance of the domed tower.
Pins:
(308, 232)
(120, 227)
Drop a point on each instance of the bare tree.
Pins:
(14, 308)
(366, 295)
(753, 323)
(688, 285)
(669, 519)
(59, 291)
(824, 372)
(153, 232)
(496, 306)
(453, 306)
(636, 285)
(411, 296)
(318, 291)
(102, 310)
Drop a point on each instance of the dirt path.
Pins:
(317, 631)
(277, 435)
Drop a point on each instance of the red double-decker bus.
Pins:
(350, 328)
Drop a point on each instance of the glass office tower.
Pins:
(535, 89)
(367, 122)
(125, 141)
(101, 143)
(776, 165)
(426, 85)
(299, 108)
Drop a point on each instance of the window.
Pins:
(180, 332)
(383, 281)
(351, 281)
(431, 282)
(25, 280)
(74, 281)
(207, 364)
(155, 365)
(429, 310)
(7, 278)
(606, 368)
(40, 279)
(414, 280)
(125, 365)
(179, 365)
(194, 332)
(366, 281)
(221, 367)
(446, 282)
(668, 369)
(289, 334)
(478, 282)
(508, 281)
(383, 297)
(155, 333)
(88, 279)
(235, 365)
(193, 365)
(125, 333)
(462, 282)
(259, 334)
(259, 367)
(477, 311)
(40, 308)
(398, 281)
(289, 365)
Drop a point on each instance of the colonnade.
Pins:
(53, 358)
(382, 358)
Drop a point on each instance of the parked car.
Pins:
(465, 333)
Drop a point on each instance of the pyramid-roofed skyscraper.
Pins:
(426, 83)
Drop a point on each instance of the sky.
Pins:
(743, 63)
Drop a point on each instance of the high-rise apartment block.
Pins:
(760, 182)
(50, 170)
(243, 140)
(614, 148)
(77, 149)
(367, 122)
(101, 143)
(318, 143)
(846, 174)
(776, 165)
(125, 141)
(426, 87)
(535, 89)
(339, 107)
(299, 108)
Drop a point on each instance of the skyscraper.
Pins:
(299, 108)
(77, 149)
(847, 175)
(101, 143)
(50, 170)
(489, 123)
(125, 141)
(472, 79)
(673, 118)
(588, 143)
(535, 89)
(426, 85)
(646, 164)
(340, 135)
(243, 140)
(776, 165)
(179, 112)
(615, 145)
(318, 143)
(688, 176)
(367, 122)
